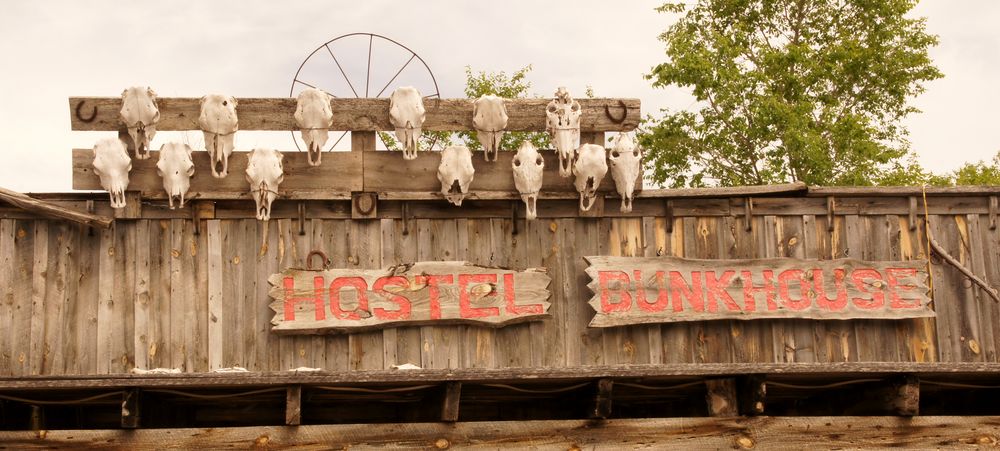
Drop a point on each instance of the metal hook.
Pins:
(93, 113)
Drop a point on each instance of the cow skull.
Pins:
(563, 124)
(264, 172)
(112, 164)
(218, 122)
(314, 116)
(140, 115)
(456, 173)
(625, 161)
(406, 114)
(590, 168)
(528, 166)
(175, 168)
(489, 117)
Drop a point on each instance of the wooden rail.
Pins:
(355, 114)
(51, 210)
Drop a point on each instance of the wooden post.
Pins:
(293, 405)
(906, 399)
(362, 141)
(752, 395)
(130, 408)
(450, 401)
(603, 399)
(37, 418)
(52, 210)
(721, 397)
(133, 206)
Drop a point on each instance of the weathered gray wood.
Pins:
(620, 300)
(929, 432)
(450, 401)
(47, 209)
(293, 405)
(39, 286)
(603, 399)
(340, 171)
(431, 301)
(368, 114)
(216, 311)
(8, 257)
(721, 397)
(902, 191)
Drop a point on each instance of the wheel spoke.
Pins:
(304, 83)
(368, 76)
(342, 135)
(394, 76)
(341, 70)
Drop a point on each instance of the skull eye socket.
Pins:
(636, 153)
(614, 154)
(539, 161)
(552, 108)
(517, 162)
(225, 102)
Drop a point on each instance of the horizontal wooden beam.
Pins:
(177, 113)
(894, 191)
(666, 433)
(341, 175)
(51, 210)
(774, 371)
(726, 191)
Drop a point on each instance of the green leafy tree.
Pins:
(810, 90)
(513, 86)
(979, 173)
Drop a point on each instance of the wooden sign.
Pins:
(637, 290)
(344, 300)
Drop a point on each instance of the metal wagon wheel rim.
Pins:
(368, 73)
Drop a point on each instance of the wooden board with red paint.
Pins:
(346, 300)
(641, 290)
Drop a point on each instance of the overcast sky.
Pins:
(56, 49)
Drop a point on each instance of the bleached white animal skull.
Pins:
(140, 114)
(406, 114)
(562, 120)
(590, 168)
(112, 164)
(625, 161)
(175, 168)
(219, 123)
(489, 117)
(455, 173)
(528, 166)
(264, 172)
(314, 116)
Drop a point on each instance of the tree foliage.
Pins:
(810, 90)
(513, 86)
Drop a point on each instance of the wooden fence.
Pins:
(168, 291)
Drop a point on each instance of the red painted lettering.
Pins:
(403, 310)
(434, 291)
(824, 302)
(317, 298)
(750, 290)
(877, 298)
(895, 300)
(360, 286)
(624, 303)
(662, 299)
(717, 290)
(787, 276)
(693, 292)
(508, 293)
(465, 308)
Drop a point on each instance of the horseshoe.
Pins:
(93, 113)
(309, 260)
(617, 120)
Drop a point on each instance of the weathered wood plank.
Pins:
(340, 171)
(699, 433)
(721, 397)
(24, 261)
(480, 343)
(216, 310)
(409, 345)
(84, 332)
(39, 286)
(51, 210)
(160, 270)
(108, 327)
(367, 114)
(7, 295)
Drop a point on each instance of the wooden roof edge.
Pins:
(52, 210)
(493, 375)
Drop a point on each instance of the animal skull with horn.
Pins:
(219, 123)
(455, 173)
(265, 172)
(314, 117)
(406, 114)
(590, 168)
(140, 115)
(563, 123)
(112, 164)
(489, 117)
(175, 168)
(528, 166)
(625, 161)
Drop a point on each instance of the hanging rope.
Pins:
(527, 390)
(228, 395)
